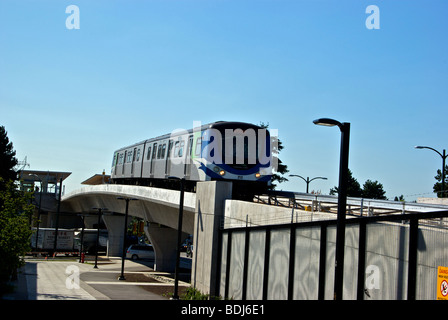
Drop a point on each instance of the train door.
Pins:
(154, 154)
(133, 161)
(168, 158)
(187, 167)
(124, 162)
(116, 162)
(146, 166)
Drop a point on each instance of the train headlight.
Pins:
(222, 172)
(258, 175)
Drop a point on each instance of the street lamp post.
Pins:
(342, 202)
(307, 180)
(123, 254)
(58, 212)
(82, 238)
(97, 235)
(179, 236)
(444, 155)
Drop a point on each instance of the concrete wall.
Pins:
(438, 201)
(210, 198)
(238, 213)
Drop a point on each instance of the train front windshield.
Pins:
(243, 147)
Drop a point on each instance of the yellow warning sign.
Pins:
(442, 283)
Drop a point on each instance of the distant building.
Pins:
(46, 185)
(97, 179)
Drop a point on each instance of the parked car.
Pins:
(140, 251)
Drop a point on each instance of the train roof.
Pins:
(216, 124)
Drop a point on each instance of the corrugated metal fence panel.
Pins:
(350, 262)
(329, 262)
(387, 260)
(306, 275)
(256, 265)
(222, 280)
(237, 265)
(279, 264)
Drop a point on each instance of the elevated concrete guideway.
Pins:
(154, 205)
(159, 207)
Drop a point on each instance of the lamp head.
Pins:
(327, 122)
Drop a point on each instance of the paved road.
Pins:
(66, 279)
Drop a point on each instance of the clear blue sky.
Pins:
(138, 69)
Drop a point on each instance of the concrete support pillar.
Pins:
(114, 225)
(210, 197)
(164, 242)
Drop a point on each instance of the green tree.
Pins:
(437, 188)
(15, 213)
(7, 158)
(353, 187)
(373, 190)
(15, 232)
(282, 168)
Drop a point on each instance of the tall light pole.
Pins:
(307, 180)
(179, 236)
(82, 238)
(444, 155)
(57, 217)
(123, 254)
(342, 202)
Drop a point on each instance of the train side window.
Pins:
(148, 156)
(176, 149)
(154, 151)
(190, 145)
(138, 155)
(114, 160)
(159, 152)
(197, 151)
(163, 150)
(181, 148)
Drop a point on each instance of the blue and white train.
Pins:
(235, 151)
